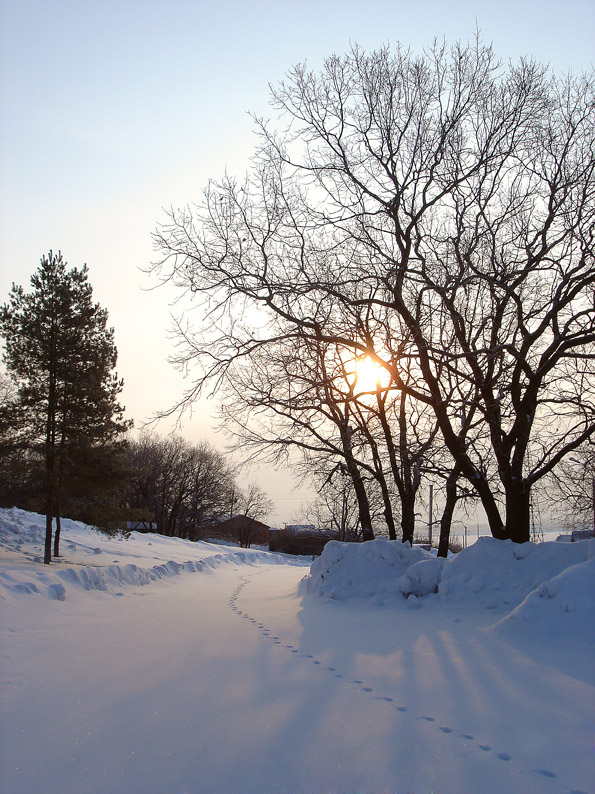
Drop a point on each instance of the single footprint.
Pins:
(429, 719)
(355, 681)
(383, 697)
(446, 730)
(401, 708)
(332, 669)
(485, 747)
(504, 756)
(547, 773)
(466, 736)
(367, 688)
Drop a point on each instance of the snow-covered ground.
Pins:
(157, 666)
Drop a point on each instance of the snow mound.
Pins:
(560, 609)
(423, 577)
(500, 574)
(491, 574)
(363, 570)
(112, 578)
(17, 525)
(142, 559)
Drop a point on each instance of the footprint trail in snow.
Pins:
(391, 702)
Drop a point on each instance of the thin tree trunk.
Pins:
(447, 514)
(49, 499)
(362, 502)
(381, 480)
(58, 524)
(358, 486)
(408, 489)
(50, 466)
(388, 512)
(59, 493)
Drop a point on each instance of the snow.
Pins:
(154, 666)
(378, 570)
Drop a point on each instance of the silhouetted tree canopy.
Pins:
(435, 213)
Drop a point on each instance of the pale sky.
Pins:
(112, 110)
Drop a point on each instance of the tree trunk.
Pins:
(57, 532)
(47, 556)
(488, 502)
(59, 499)
(388, 515)
(50, 468)
(447, 514)
(408, 517)
(363, 504)
(386, 497)
(343, 527)
(363, 507)
(49, 504)
(518, 512)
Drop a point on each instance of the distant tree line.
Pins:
(187, 490)
(65, 447)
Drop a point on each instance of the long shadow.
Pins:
(461, 680)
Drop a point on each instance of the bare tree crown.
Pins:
(433, 212)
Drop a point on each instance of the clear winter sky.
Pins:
(111, 110)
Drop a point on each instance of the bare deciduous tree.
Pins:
(443, 197)
(182, 487)
(252, 505)
(570, 490)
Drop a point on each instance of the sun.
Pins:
(369, 374)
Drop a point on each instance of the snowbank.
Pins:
(490, 574)
(367, 570)
(496, 574)
(89, 561)
(535, 591)
(559, 609)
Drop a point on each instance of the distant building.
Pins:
(246, 531)
(297, 528)
(576, 535)
(300, 539)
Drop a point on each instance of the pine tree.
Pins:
(61, 353)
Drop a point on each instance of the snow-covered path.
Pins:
(228, 681)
